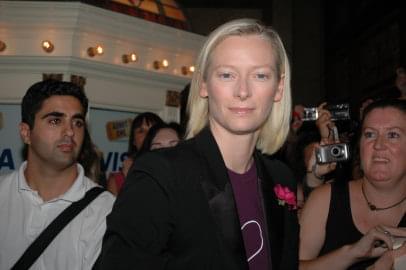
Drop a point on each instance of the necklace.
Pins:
(373, 207)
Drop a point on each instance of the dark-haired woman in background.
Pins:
(139, 129)
(161, 136)
(350, 225)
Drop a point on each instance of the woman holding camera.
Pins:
(356, 225)
(315, 173)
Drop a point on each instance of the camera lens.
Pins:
(335, 151)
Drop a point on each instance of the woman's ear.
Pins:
(203, 90)
(279, 90)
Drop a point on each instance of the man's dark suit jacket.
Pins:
(177, 211)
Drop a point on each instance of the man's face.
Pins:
(57, 136)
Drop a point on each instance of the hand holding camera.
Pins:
(315, 171)
(333, 150)
(337, 112)
(332, 153)
(325, 124)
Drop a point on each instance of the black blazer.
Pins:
(177, 211)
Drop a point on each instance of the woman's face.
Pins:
(383, 145)
(140, 133)
(165, 137)
(241, 85)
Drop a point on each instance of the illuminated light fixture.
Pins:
(93, 51)
(161, 64)
(127, 58)
(3, 46)
(187, 70)
(47, 46)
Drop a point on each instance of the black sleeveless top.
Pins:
(340, 228)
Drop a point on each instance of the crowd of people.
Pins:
(251, 182)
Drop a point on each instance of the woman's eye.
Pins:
(369, 134)
(393, 135)
(226, 76)
(141, 131)
(262, 76)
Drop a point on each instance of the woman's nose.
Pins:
(243, 90)
(379, 142)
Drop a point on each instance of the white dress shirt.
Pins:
(24, 215)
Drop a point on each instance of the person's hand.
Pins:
(374, 244)
(318, 170)
(325, 124)
(297, 115)
(388, 259)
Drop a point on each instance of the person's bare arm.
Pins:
(312, 236)
(312, 224)
(111, 184)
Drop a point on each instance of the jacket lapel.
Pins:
(218, 191)
(219, 194)
(273, 211)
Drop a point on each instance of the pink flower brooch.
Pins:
(285, 196)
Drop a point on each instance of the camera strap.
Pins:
(335, 134)
(37, 247)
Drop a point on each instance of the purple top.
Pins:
(252, 220)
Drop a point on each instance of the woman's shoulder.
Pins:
(168, 161)
(272, 161)
(277, 169)
(183, 152)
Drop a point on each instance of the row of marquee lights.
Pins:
(48, 47)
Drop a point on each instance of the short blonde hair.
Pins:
(275, 129)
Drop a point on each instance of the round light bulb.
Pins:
(99, 49)
(47, 46)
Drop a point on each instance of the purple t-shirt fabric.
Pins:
(252, 220)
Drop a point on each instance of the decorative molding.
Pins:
(86, 68)
(52, 76)
(74, 26)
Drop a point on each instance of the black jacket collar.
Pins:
(217, 188)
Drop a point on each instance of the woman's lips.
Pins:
(380, 159)
(241, 111)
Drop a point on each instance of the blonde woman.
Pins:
(215, 201)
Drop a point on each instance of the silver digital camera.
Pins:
(332, 153)
(338, 112)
